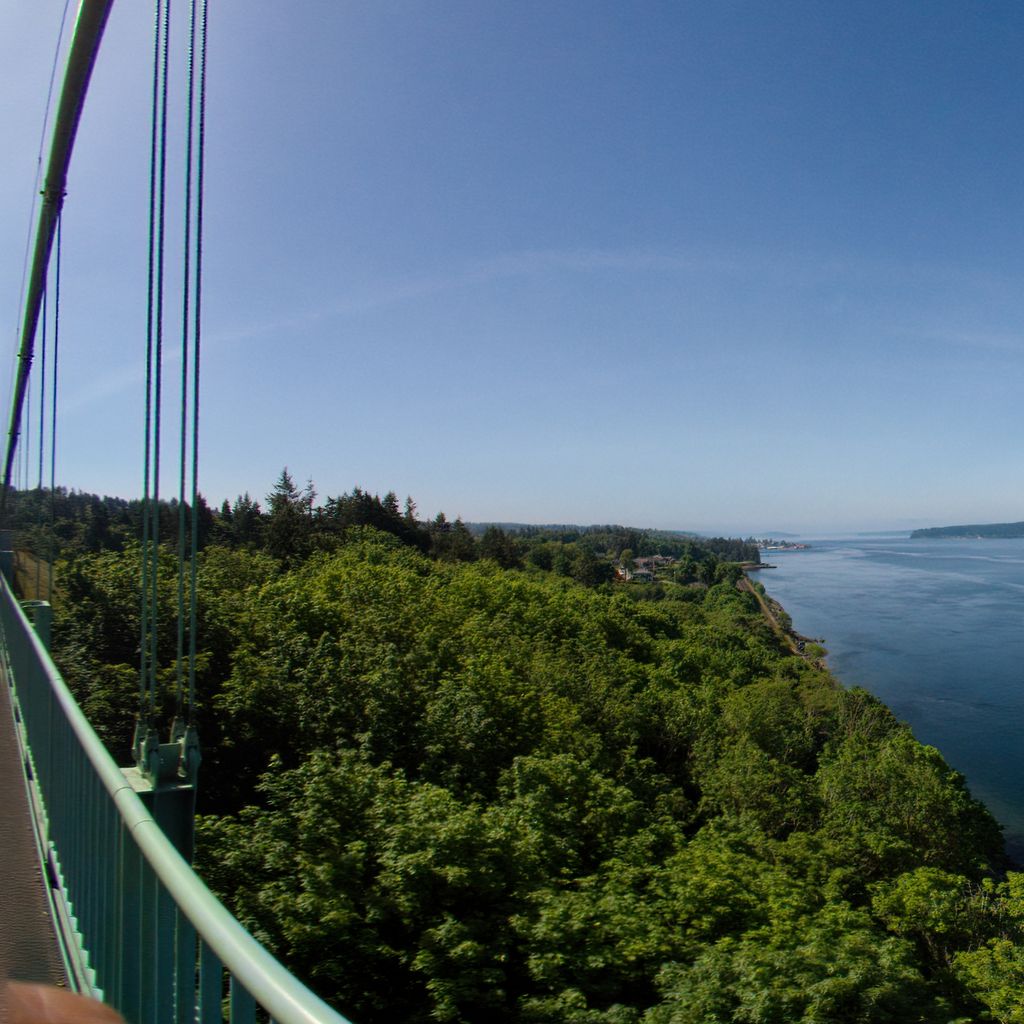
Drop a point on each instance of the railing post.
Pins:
(172, 805)
(164, 777)
(41, 615)
(7, 556)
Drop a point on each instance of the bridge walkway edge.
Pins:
(29, 948)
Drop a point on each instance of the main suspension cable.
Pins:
(39, 173)
(92, 18)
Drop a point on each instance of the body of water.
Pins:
(935, 628)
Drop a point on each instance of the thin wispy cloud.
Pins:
(1010, 343)
(89, 391)
(742, 267)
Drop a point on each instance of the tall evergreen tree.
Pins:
(288, 525)
(246, 521)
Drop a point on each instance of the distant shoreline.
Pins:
(984, 531)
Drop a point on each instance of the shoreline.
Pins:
(1009, 821)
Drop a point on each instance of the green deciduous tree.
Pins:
(832, 966)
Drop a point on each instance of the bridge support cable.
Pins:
(146, 742)
(42, 391)
(89, 26)
(53, 412)
(176, 762)
(42, 436)
(190, 332)
(26, 459)
(144, 724)
(38, 181)
(196, 349)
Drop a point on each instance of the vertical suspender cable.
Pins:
(154, 361)
(195, 364)
(190, 347)
(26, 476)
(185, 328)
(147, 431)
(42, 391)
(53, 414)
(23, 454)
(158, 355)
(42, 425)
(195, 327)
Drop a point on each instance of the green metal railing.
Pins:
(139, 928)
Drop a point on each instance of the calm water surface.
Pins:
(936, 630)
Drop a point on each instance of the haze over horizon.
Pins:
(699, 267)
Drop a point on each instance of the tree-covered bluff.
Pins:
(445, 790)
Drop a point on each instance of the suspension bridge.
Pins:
(99, 894)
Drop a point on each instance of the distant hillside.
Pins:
(985, 530)
(479, 529)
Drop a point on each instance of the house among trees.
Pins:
(638, 575)
(643, 569)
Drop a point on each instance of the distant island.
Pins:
(986, 531)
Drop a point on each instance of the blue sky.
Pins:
(724, 266)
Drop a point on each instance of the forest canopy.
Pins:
(445, 781)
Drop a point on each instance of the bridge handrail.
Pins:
(286, 999)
